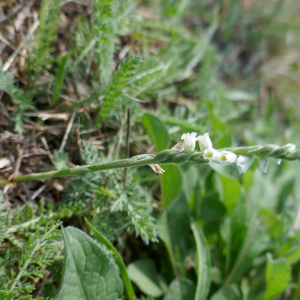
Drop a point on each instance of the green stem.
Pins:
(168, 156)
(119, 261)
(123, 163)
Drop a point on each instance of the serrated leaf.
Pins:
(278, 274)
(181, 289)
(142, 272)
(203, 258)
(89, 273)
(156, 131)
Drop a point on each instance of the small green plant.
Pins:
(30, 264)
(194, 217)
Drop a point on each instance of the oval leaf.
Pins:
(181, 289)
(142, 272)
(89, 273)
(156, 131)
(171, 184)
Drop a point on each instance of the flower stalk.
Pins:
(168, 156)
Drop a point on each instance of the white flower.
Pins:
(227, 158)
(212, 155)
(263, 164)
(189, 141)
(243, 163)
(204, 142)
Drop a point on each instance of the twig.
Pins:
(135, 99)
(127, 144)
(47, 149)
(67, 131)
(31, 30)
(36, 193)
(18, 163)
(5, 41)
(39, 292)
(78, 143)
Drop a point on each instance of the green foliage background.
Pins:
(199, 232)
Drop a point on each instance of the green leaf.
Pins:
(171, 184)
(231, 192)
(233, 231)
(256, 240)
(203, 257)
(89, 273)
(171, 181)
(181, 289)
(156, 131)
(292, 256)
(142, 272)
(190, 176)
(230, 292)
(219, 127)
(103, 191)
(121, 79)
(173, 225)
(278, 274)
(211, 208)
(59, 79)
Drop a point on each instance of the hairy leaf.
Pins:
(156, 131)
(89, 273)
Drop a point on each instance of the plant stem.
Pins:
(168, 156)
(123, 163)
(119, 261)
